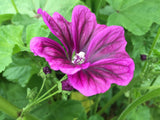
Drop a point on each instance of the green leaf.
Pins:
(137, 45)
(36, 30)
(14, 93)
(123, 4)
(6, 7)
(60, 110)
(53, 37)
(23, 19)
(135, 15)
(96, 117)
(137, 51)
(30, 7)
(2, 116)
(139, 113)
(86, 103)
(12, 34)
(9, 36)
(31, 93)
(25, 7)
(155, 113)
(20, 71)
(62, 7)
(67, 110)
(5, 17)
(142, 99)
(105, 98)
(107, 10)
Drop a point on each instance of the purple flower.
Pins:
(93, 56)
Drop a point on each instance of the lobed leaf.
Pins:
(20, 70)
(36, 30)
(139, 113)
(135, 15)
(23, 19)
(30, 7)
(9, 36)
(61, 110)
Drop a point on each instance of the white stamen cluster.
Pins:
(79, 58)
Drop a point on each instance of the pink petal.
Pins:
(88, 82)
(109, 43)
(60, 27)
(119, 70)
(100, 75)
(54, 55)
(84, 27)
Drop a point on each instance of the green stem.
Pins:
(46, 92)
(13, 111)
(151, 84)
(140, 100)
(41, 89)
(63, 78)
(99, 6)
(47, 86)
(14, 5)
(151, 50)
(154, 42)
(116, 97)
(27, 117)
(97, 102)
(153, 81)
(41, 100)
(8, 108)
(36, 101)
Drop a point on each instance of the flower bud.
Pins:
(47, 70)
(143, 57)
(66, 85)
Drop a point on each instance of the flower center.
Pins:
(79, 58)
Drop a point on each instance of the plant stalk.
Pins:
(116, 97)
(152, 48)
(8, 108)
(97, 102)
(14, 5)
(99, 6)
(13, 111)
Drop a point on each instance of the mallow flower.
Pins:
(93, 55)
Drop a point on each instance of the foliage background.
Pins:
(19, 68)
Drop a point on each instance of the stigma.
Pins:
(79, 58)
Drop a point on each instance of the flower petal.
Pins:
(100, 75)
(60, 27)
(54, 55)
(109, 43)
(118, 71)
(88, 82)
(84, 27)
